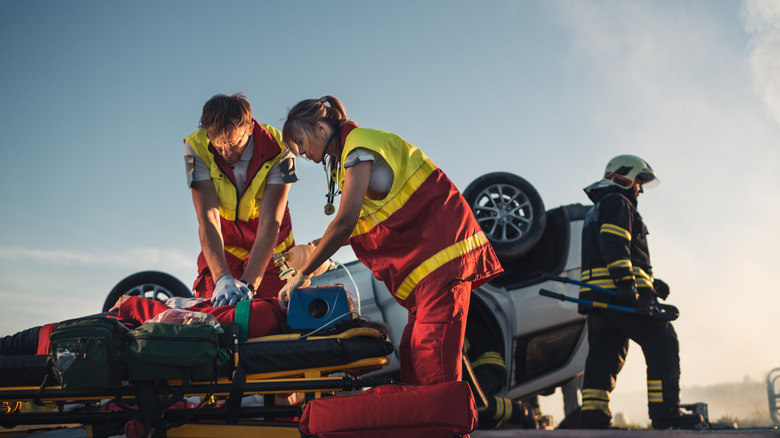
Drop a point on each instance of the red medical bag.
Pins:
(443, 410)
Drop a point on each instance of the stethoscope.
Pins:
(328, 163)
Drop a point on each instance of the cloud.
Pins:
(168, 258)
(761, 19)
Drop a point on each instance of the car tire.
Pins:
(510, 212)
(148, 284)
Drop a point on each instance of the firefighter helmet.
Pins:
(625, 170)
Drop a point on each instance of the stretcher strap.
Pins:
(235, 395)
(241, 317)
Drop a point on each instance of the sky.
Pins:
(97, 97)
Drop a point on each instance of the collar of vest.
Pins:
(265, 148)
(346, 128)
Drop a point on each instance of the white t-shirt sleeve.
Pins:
(381, 180)
(283, 172)
(195, 167)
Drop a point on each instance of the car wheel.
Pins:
(148, 284)
(510, 212)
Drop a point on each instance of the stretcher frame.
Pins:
(209, 420)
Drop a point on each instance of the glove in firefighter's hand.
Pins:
(627, 294)
(293, 283)
(661, 288)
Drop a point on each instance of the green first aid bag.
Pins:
(86, 352)
(165, 351)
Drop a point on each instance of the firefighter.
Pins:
(482, 348)
(239, 173)
(615, 256)
(407, 222)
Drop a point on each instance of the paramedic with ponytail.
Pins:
(240, 173)
(407, 222)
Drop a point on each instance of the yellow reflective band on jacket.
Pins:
(284, 245)
(615, 230)
(237, 251)
(489, 358)
(366, 223)
(600, 277)
(242, 253)
(437, 260)
(622, 263)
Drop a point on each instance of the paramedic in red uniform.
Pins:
(240, 173)
(405, 221)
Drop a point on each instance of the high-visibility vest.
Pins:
(239, 217)
(423, 232)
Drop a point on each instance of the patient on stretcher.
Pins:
(265, 317)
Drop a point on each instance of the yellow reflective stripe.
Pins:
(615, 230)
(237, 251)
(655, 391)
(489, 358)
(643, 279)
(242, 252)
(595, 406)
(595, 272)
(643, 283)
(599, 305)
(284, 245)
(598, 394)
(622, 263)
(503, 409)
(437, 260)
(595, 400)
(600, 276)
(365, 224)
(606, 283)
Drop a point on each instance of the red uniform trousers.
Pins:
(431, 347)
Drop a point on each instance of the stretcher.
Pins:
(310, 366)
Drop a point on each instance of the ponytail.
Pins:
(305, 114)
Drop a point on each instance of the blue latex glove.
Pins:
(228, 290)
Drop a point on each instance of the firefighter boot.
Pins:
(503, 410)
(595, 409)
(663, 402)
(596, 419)
(673, 418)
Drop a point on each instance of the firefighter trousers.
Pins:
(608, 336)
